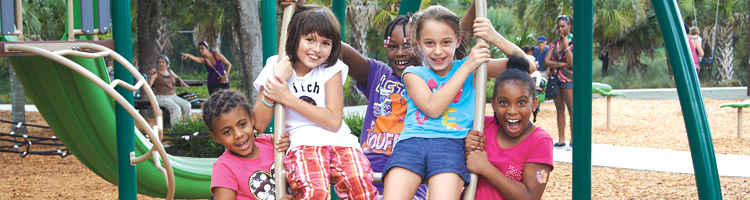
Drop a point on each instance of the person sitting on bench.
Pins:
(162, 81)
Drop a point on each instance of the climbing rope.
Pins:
(18, 124)
(21, 143)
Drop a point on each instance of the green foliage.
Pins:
(657, 77)
(354, 121)
(351, 96)
(202, 91)
(207, 148)
(490, 87)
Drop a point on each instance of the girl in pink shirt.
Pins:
(244, 170)
(513, 157)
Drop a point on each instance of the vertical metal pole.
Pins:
(71, 21)
(480, 87)
(19, 20)
(268, 32)
(278, 110)
(609, 109)
(691, 100)
(339, 9)
(268, 24)
(739, 122)
(409, 6)
(582, 61)
(126, 177)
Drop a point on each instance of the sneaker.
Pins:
(556, 145)
(570, 146)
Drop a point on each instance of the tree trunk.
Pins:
(747, 36)
(148, 18)
(605, 64)
(247, 46)
(209, 33)
(358, 13)
(724, 52)
(18, 101)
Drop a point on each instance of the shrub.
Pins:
(204, 148)
(354, 121)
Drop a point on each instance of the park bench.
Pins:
(144, 106)
(605, 91)
(739, 106)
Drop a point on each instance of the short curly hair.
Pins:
(222, 102)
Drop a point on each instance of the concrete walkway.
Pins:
(604, 155)
(630, 157)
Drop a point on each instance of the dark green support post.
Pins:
(268, 32)
(583, 40)
(691, 100)
(339, 9)
(409, 6)
(268, 25)
(125, 123)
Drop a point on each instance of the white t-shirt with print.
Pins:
(311, 89)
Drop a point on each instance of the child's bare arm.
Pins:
(535, 176)
(483, 29)
(262, 114)
(359, 67)
(329, 117)
(433, 104)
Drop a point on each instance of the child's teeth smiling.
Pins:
(513, 121)
(402, 62)
(314, 57)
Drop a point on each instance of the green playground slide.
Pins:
(83, 117)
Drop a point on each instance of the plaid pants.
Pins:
(311, 169)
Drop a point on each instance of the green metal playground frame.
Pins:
(670, 22)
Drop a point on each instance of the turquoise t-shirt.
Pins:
(455, 121)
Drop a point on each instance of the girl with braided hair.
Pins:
(248, 159)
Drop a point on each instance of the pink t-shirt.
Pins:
(250, 178)
(536, 148)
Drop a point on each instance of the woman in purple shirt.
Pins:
(216, 63)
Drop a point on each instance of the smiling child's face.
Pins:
(234, 130)
(513, 105)
(313, 50)
(438, 45)
(400, 54)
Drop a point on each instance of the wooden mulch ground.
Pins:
(638, 123)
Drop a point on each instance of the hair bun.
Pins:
(518, 62)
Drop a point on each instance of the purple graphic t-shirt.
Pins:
(384, 117)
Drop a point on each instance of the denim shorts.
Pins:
(430, 156)
(566, 84)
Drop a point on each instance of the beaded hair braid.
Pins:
(400, 20)
(222, 102)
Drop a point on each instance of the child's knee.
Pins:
(307, 190)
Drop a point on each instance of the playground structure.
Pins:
(82, 115)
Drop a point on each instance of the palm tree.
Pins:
(625, 29)
(726, 32)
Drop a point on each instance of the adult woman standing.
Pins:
(559, 60)
(215, 64)
(162, 80)
(696, 49)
